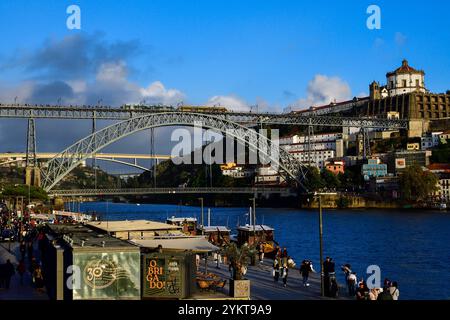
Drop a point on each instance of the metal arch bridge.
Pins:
(249, 118)
(146, 191)
(67, 160)
(108, 157)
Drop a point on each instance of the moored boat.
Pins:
(188, 224)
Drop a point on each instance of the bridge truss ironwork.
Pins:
(248, 118)
(67, 160)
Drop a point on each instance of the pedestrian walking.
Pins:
(393, 290)
(8, 273)
(284, 273)
(276, 269)
(351, 284)
(22, 249)
(30, 250)
(305, 269)
(328, 275)
(261, 252)
(21, 269)
(2, 275)
(38, 279)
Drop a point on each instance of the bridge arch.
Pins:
(64, 162)
(129, 164)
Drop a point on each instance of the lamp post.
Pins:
(254, 214)
(322, 287)
(202, 216)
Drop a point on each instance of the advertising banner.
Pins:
(163, 276)
(112, 275)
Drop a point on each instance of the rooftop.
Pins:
(196, 244)
(215, 228)
(258, 227)
(182, 219)
(405, 68)
(79, 236)
(131, 225)
(442, 167)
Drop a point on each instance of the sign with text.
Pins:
(163, 275)
(107, 275)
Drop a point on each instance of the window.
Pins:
(417, 83)
(404, 83)
(392, 84)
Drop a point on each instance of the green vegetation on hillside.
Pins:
(21, 190)
(416, 184)
(170, 175)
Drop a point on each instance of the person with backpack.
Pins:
(393, 290)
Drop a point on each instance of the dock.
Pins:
(263, 287)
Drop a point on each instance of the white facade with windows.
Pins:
(405, 80)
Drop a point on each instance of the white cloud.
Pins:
(157, 93)
(112, 72)
(324, 90)
(230, 102)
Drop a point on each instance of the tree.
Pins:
(313, 181)
(330, 180)
(416, 184)
(239, 258)
(22, 190)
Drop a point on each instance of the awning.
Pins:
(196, 244)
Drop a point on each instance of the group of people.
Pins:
(281, 265)
(358, 289)
(25, 231)
(361, 290)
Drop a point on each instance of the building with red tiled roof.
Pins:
(405, 79)
(439, 167)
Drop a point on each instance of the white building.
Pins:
(268, 176)
(324, 146)
(443, 192)
(405, 79)
(315, 157)
(237, 172)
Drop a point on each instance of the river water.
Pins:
(412, 248)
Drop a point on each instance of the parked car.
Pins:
(7, 235)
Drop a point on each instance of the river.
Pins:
(412, 248)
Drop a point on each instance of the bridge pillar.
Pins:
(31, 144)
(33, 176)
(32, 171)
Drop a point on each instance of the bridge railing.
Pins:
(137, 191)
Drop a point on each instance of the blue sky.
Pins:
(235, 52)
(254, 50)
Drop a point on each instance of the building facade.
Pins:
(315, 149)
(373, 168)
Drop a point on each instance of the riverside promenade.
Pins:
(18, 291)
(263, 287)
